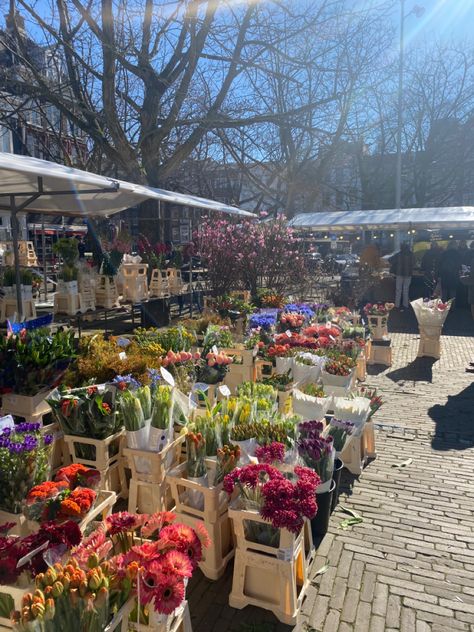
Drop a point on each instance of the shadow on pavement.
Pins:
(459, 322)
(454, 421)
(419, 370)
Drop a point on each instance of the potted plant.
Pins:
(9, 281)
(26, 280)
(67, 249)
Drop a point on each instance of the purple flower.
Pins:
(48, 439)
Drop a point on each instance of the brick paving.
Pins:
(410, 565)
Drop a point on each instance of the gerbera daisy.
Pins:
(177, 563)
(168, 596)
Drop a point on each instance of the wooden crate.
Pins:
(222, 548)
(69, 304)
(361, 368)
(8, 308)
(359, 449)
(108, 460)
(159, 285)
(135, 281)
(275, 579)
(150, 491)
(215, 499)
(380, 354)
(378, 326)
(102, 508)
(30, 407)
(120, 622)
(106, 294)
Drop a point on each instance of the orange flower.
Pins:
(70, 508)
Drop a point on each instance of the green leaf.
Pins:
(350, 522)
(6, 605)
(351, 512)
(403, 463)
(321, 570)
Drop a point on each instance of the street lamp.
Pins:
(418, 12)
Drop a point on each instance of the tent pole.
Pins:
(16, 255)
(190, 269)
(43, 249)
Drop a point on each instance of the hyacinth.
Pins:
(262, 321)
(272, 453)
(300, 308)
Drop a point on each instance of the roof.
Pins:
(436, 217)
(68, 191)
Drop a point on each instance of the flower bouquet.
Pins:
(281, 502)
(49, 542)
(339, 372)
(264, 320)
(300, 308)
(340, 431)
(317, 452)
(196, 470)
(161, 428)
(86, 412)
(431, 315)
(307, 367)
(310, 401)
(378, 309)
(292, 321)
(355, 409)
(227, 460)
(212, 369)
(279, 381)
(55, 501)
(34, 361)
(272, 454)
(375, 400)
(25, 456)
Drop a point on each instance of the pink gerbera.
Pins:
(176, 563)
(184, 539)
(156, 522)
(168, 595)
(202, 534)
(121, 521)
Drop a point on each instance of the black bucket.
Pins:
(320, 523)
(336, 477)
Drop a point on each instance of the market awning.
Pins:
(436, 217)
(59, 190)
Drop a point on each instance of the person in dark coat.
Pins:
(429, 266)
(402, 265)
(449, 266)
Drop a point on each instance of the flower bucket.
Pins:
(303, 373)
(338, 465)
(138, 440)
(283, 365)
(196, 498)
(27, 292)
(320, 523)
(247, 450)
(309, 407)
(342, 381)
(324, 487)
(159, 438)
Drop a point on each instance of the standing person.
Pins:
(449, 265)
(429, 266)
(402, 265)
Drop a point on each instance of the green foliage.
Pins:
(67, 249)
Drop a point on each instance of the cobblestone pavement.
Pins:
(410, 565)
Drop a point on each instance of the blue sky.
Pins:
(443, 19)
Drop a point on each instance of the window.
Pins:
(5, 140)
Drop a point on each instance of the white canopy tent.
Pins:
(31, 184)
(407, 218)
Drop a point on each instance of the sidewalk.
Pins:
(410, 565)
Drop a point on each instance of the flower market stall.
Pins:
(226, 446)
